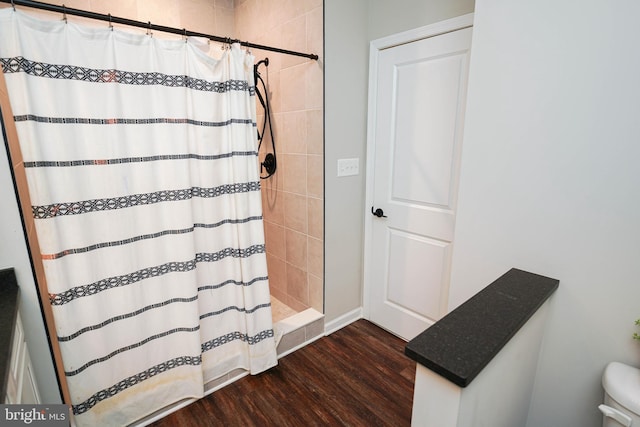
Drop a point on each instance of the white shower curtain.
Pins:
(141, 163)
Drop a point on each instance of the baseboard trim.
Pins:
(342, 321)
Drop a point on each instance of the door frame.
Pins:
(375, 47)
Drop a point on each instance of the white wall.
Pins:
(345, 70)
(13, 253)
(349, 27)
(387, 17)
(551, 183)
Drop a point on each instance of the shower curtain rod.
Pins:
(148, 25)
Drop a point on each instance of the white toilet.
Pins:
(621, 396)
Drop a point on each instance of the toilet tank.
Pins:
(621, 406)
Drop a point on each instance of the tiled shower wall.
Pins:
(293, 197)
(206, 16)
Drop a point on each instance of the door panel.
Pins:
(426, 110)
(411, 257)
(419, 114)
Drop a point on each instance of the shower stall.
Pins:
(292, 197)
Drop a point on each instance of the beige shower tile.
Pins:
(316, 293)
(223, 3)
(259, 122)
(315, 176)
(315, 217)
(294, 37)
(285, 10)
(273, 38)
(314, 256)
(272, 204)
(224, 22)
(161, 12)
(280, 294)
(295, 173)
(274, 182)
(293, 87)
(277, 275)
(274, 84)
(297, 285)
(294, 132)
(315, 31)
(275, 238)
(314, 85)
(295, 212)
(263, 15)
(264, 37)
(271, 77)
(277, 179)
(280, 310)
(296, 304)
(84, 5)
(272, 130)
(198, 15)
(315, 134)
(243, 19)
(311, 4)
(296, 246)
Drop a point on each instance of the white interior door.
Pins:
(417, 123)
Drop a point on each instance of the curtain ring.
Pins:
(13, 6)
(226, 44)
(110, 23)
(149, 33)
(185, 34)
(64, 13)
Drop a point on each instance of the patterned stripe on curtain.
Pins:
(141, 162)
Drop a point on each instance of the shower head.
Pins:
(265, 61)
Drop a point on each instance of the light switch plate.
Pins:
(348, 167)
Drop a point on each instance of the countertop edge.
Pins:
(517, 295)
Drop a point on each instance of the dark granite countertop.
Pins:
(462, 343)
(9, 292)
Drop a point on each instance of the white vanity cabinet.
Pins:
(21, 385)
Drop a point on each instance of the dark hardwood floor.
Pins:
(357, 376)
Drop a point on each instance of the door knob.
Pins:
(378, 212)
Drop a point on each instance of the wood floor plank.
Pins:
(357, 376)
